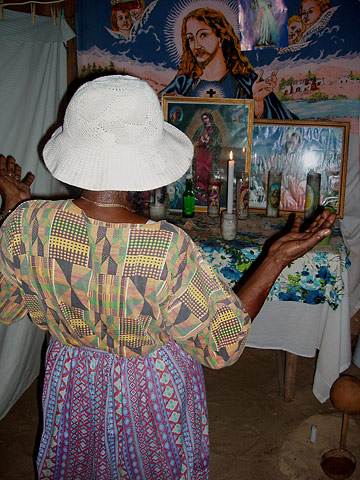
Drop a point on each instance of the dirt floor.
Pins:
(254, 434)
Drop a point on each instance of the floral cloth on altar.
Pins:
(314, 278)
(318, 281)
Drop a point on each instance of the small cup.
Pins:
(157, 212)
(228, 225)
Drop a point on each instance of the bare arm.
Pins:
(282, 252)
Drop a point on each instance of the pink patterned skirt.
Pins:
(111, 418)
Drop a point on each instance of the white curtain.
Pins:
(350, 225)
(33, 84)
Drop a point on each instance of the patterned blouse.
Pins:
(121, 288)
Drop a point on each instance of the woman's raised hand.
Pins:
(295, 243)
(13, 189)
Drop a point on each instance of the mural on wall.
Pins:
(212, 64)
(201, 48)
(263, 23)
(319, 71)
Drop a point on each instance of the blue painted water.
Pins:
(325, 109)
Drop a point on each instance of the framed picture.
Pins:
(295, 148)
(216, 126)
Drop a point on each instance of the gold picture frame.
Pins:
(295, 147)
(231, 130)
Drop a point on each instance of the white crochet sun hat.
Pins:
(114, 137)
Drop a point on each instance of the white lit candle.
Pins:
(157, 194)
(230, 185)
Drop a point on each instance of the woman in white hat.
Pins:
(132, 308)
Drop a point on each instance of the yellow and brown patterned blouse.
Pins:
(122, 288)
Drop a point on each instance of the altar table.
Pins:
(307, 308)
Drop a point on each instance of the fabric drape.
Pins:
(33, 85)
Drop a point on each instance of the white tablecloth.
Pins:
(303, 329)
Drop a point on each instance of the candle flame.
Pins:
(231, 155)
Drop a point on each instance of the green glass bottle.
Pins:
(189, 198)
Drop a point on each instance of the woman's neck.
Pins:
(108, 206)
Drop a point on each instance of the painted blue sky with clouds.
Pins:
(340, 38)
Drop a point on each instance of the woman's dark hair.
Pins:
(75, 192)
(137, 201)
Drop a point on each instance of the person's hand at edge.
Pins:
(13, 189)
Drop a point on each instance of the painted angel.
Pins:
(127, 18)
(315, 16)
